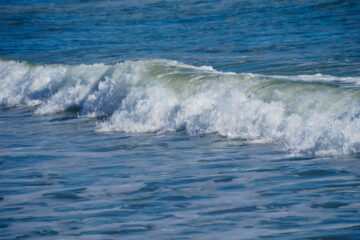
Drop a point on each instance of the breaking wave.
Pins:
(305, 114)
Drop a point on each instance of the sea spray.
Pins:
(305, 114)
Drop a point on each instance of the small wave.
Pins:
(306, 114)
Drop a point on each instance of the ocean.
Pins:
(169, 119)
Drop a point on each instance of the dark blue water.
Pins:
(242, 36)
(179, 119)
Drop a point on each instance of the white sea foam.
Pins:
(323, 78)
(297, 112)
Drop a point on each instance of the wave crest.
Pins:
(312, 114)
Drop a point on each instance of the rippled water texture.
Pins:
(244, 36)
(179, 119)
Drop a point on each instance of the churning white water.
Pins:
(305, 114)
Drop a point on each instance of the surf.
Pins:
(304, 114)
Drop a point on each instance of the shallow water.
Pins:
(74, 183)
(179, 120)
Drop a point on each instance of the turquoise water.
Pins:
(179, 120)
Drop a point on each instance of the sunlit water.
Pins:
(179, 120)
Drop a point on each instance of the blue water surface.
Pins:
(242, 36)
(60, 178)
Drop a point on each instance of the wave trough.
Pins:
(305, 114)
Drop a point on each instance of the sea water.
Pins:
(179, 119)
